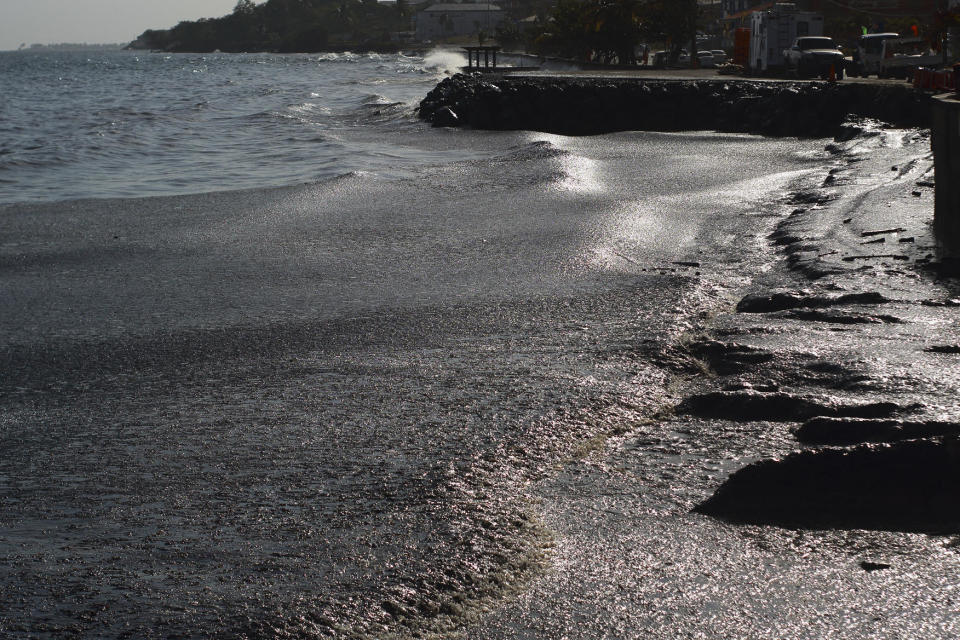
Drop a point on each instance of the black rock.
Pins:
(847, 431)
(781, 301)
(751, 405)
(445, 117)
(943, 348)
(908, 486)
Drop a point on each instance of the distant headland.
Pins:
(286, 27)
(71, 46)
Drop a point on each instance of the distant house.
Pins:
(441, 21)
(876, 9)
(871, 14)
(879, 9)
(736, 13)
(731, 7)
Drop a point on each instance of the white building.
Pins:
(441, 21)
(774, 30)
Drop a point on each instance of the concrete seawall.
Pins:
(584, 106)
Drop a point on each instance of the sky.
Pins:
(96, 21)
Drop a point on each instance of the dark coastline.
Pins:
(587, 106)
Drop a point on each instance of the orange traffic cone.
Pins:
(833, 74)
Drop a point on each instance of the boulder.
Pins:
(909, 486)
(749, 405)
(445, 117)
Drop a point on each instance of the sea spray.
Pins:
(445, 60)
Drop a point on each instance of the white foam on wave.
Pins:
(377, 99)
(346, 56)
(444, 61)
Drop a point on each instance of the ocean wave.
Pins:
(539, 150)
(18, 163)
(155, 128)
(125, 111)
(346, 56)
(376, 99)
(379, 114)
(308, 107)
(305, 113)
(445, 61)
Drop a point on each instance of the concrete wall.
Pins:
(945, 140)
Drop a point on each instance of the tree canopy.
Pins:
(598, 30)
(285, 26)
(607, 30)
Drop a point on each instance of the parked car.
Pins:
(705, 59)
(719, 56)
(814, 56)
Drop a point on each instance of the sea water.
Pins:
(278, 359)
(80, 124)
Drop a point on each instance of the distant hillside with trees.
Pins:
(588, 30)
(287, 26)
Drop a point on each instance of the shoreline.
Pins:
(850, 368)
(873, 454)
(837, 535)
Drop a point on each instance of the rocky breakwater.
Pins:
(585, 106)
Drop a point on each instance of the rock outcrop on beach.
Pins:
(573, 106)
(907, 486)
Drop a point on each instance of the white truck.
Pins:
(774, 30)
(813, 56)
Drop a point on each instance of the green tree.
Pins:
(672, 21)
(617, 30)
(285, 25)
(598, 30)
(244, 8)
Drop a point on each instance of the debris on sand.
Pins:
(867, 234)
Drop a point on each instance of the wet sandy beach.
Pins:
(451, 404)
(633, 559)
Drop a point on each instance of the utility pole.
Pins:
(693, 9)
